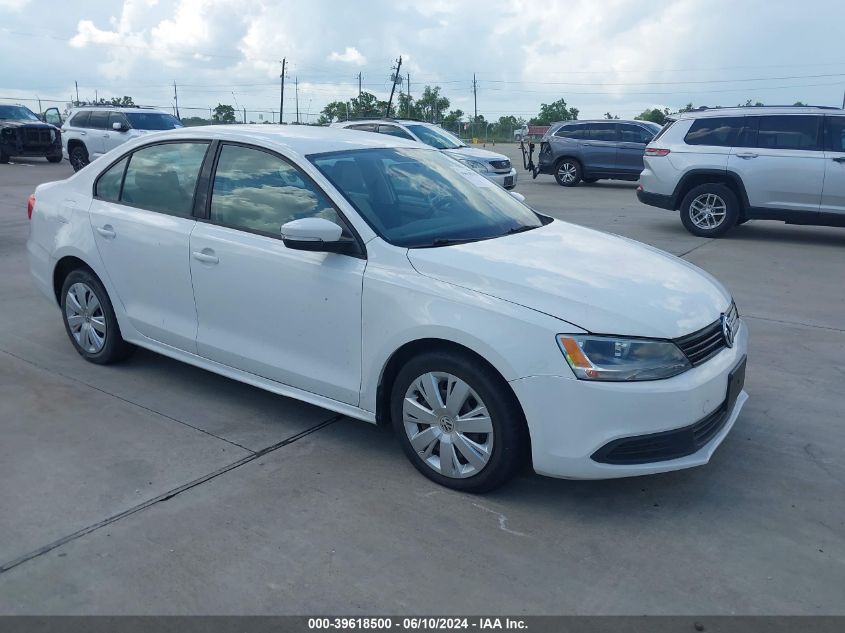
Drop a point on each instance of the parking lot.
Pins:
(153, 487)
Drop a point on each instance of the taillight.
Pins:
(656, 151)
(30, 205)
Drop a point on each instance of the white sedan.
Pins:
(378, 278)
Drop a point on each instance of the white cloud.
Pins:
(13, 5)
(349, 56)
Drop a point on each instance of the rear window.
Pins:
(715, 131)
(835, 134)
(788, 132)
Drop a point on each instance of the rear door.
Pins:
(833, 193)
(781, 163)
(632, 142)
(95, 141)
(599, 148)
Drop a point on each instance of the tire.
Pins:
(589, 181)
(568, 172)
(474, 385)
(4, 158)
(78, 157)
(55, 159)
(90, 323)
(709, 210)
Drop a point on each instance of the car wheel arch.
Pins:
(697, 177)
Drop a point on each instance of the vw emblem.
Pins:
(728, 323)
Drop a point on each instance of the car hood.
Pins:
(16, 123)
(601, 283)
(474, 153)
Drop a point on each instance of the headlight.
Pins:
(475, 165)
(621, 359)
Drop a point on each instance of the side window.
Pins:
(392, 130)
(99, 119)
(259, 192)
(163, 177)
(108, 185)
(567, 131)
(602, 131)
(80, 119)
(364, 127)
(634, 134)
(117, 117)
(835, 133)
(718, 131)
(789, 132)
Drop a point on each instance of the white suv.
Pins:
(721, 167)
(493, 166)
(91, 131)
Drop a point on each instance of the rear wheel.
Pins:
(55, 159)
(4, 157)
(457, 421)
(90, 321)
(78, 157)
(568, 172)
(709, 210)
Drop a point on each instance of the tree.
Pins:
(431, 105)
(608, 115)
(655, 115)
(367, 105)
(797, 103)
(454, 116)
(688, 108)
(124, 101)
(748, 104)
(406, 107)
(334, 111)
(223, 114)
(192, 121)
(555, 111)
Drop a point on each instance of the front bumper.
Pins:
(570, 420)
(504, 179)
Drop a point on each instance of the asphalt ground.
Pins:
(153, 487)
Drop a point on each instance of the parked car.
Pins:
(493, 166)
(721, 167)
(576, 151)
(387, 282)
(91, 131)
(23, 133)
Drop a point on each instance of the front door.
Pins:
(142, 232)
(833, 193)
(288, 315)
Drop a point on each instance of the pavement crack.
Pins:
(166, 495)
(695, 248)
(798, 323)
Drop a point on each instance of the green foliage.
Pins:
(193, 121)
(454, 116)
(223, 114)
(608, 115)
(555, 111)
(655, 115)
(749, 104)
(406, 107)
(334, 111)
(431, 106)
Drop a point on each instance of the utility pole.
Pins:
(77, 92)
(409, 95)
(282, 93)
(475, 102)
(843, 100)
(176, 98)
(296, 83)
(394, 78)
(359, 83)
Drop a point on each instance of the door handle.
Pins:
(106, 231)
(206, 256)
(83, 133)
(839, 159)
(746, 155)
(105, 135)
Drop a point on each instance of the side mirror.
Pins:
(117, 127)
(518, 196)
(316, 234)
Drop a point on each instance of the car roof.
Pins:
(746, 110)
(385, 121)
(298, 139)
(631, 121)
(123, 109)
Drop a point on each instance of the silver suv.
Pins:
(723, 166)
(576, 151)
(493, 166)
(90, 131)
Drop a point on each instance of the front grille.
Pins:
(35, 136)
(500, 164)
(704, 344)
(658, 447)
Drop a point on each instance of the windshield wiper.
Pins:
(519, 229)
(447, 241)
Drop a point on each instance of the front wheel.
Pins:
(709, 210)
(78, 157)
(4, 157)
(90, 321)
(568, 172)
(458, 422)
(55, 159)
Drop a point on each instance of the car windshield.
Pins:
(419, 198)
(152, 121)
(17, 113)
(438, 139)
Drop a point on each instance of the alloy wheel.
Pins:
(708, 211)
(567, 172)
(85, 318)
(448, 425)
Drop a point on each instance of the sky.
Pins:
(617, 56)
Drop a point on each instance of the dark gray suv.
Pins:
(573, 151)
